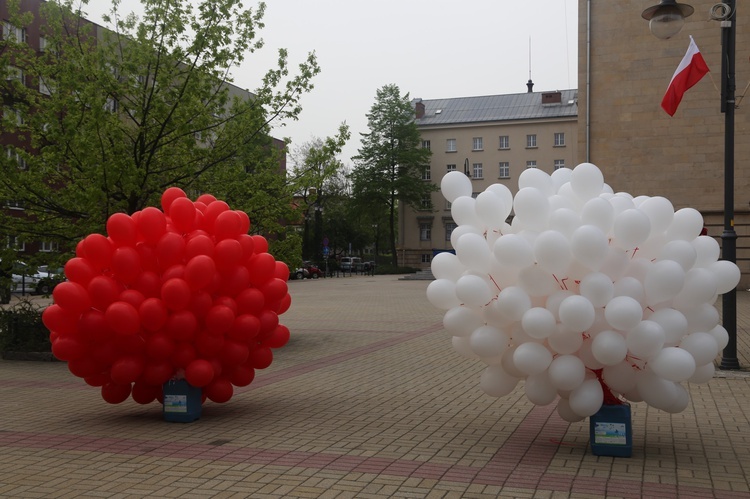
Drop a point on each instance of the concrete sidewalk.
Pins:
(367, 400)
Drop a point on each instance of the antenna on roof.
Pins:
(530, 84)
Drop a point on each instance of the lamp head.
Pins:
(667, 19)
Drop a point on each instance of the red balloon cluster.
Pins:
(180, 292)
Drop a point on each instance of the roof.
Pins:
(524, 106)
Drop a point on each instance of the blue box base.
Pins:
(611, 431)
(182, 402)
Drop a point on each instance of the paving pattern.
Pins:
(367, 400)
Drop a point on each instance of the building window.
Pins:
(14, 204)
(476, 171)
(559, 139)
(48, 247)
(13, 33)
(425, 232)
(16, 156)
(504, 170)
(504, 142)
(42, 44)
(448, 206)
(426, 144)
(477, 144)
(426, 174)
(426, 258)
(449, 228)
(47, 87)
(16, 244)
(450, 145)
(531, 164)
(426, 202)
(15, 73)
(111, 105)
(451, 168)
(530, 141)
(559, 163)
(13, 115)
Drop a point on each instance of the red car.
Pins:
(312, 271)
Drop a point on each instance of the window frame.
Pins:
(449, 143)
(504, 142)
(531, 142)
(477, 144)
(503, 166)
(477, 168)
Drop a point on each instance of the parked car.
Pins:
(368, 266)
(350, 264)
(27, 279)
(313, 271)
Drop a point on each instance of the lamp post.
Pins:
(665, 21)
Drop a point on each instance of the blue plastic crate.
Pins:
(611, 431)
(182, 402)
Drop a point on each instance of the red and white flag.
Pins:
(691, 69)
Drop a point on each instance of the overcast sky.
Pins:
(431, 49)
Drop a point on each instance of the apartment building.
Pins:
(492, 139)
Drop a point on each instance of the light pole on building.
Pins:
(665, 20)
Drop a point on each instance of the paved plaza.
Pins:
(367, 400)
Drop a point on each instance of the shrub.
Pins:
(22, 330)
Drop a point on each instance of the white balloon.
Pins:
(532, 358)
(702, 346)
(631, 228)
(471, 290)
(552, 252)
(487, 341)
(461, 321)
(616, 263)
(681, 401)
(673, 364)
(539, 323)
(558, 202)
(509, 364)
(566, 413)
(587, 181)
(589, 246)
(656, 391)
(700, 287)
(673, 322)
(623, 313)
(681, 252)
(564, 220)
(703, 373)
(513, 250)
(599, 213)
(587, 356)
(704, 317)
(461, 230)
(539, 389)
(539, 179)
(491, 209)
(462, 346)
(445, 265)
(659, 211)
(560, 177)
(621, 202)
(553, 301)
(577, 313)
(663, 281)
(609, 348)
(597, 288)
(620, 377)
(567, 372)
(727, 275)
(707, 250)
(454, 185)
(441, 293)
(646, 339)
(474, 253)
(531, 207)
(687, 224)
(587, 399)
(630, 286)
(495, 382)
(504, 193)
(513, 302)
(565, 342)
(721, 336)
(463, 211)
(536, 282)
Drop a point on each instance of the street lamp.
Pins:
(666, 20)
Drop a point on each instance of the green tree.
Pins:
(390, 161)
(111, 118)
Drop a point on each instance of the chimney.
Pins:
(419, 108)
(552, 97)
(530, 86)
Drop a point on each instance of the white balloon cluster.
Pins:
(587, 295)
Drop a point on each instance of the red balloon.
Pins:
(175, 271)
(68, 348)
(200, 271)
(261, 357)
(274, 289)
(105, 353)
(228, 224)
(282, 271)
(205, 199)
(262, 267)
(122, 230)
(220, 390)
(98, 250)
(143, 393)
(199, 373)
(245, 222)
(213, 210)
(93, 327)
(201, 303)
(103, 291)
(132, 296)
(248, 247)
(80, 253)
(148, 283)
(176, 294)
(227, 301)
(169, 197)
(208, 345)
(159, 346)
(152, 224)
(235, 281)
(182, 213)
(72, 297)
(132, 344)
(245, 328)
(181, 325)
(126, 264)
(114, 393)
(261, 244)
(170, 249)
(157, 373)
(96, 379)
(268, 322)
(242, 375)
(219, 319)
(127, 369)
(147, 253)
(184, 354)
(200, 244)
(250, 301)
(284, 305)
(123, 318)
(79, 270)
(234, 353)
(153, 314)
(278, 338)
(57, 319)
(228, 254)
(85, 367)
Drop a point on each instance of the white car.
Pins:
(31, 280)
